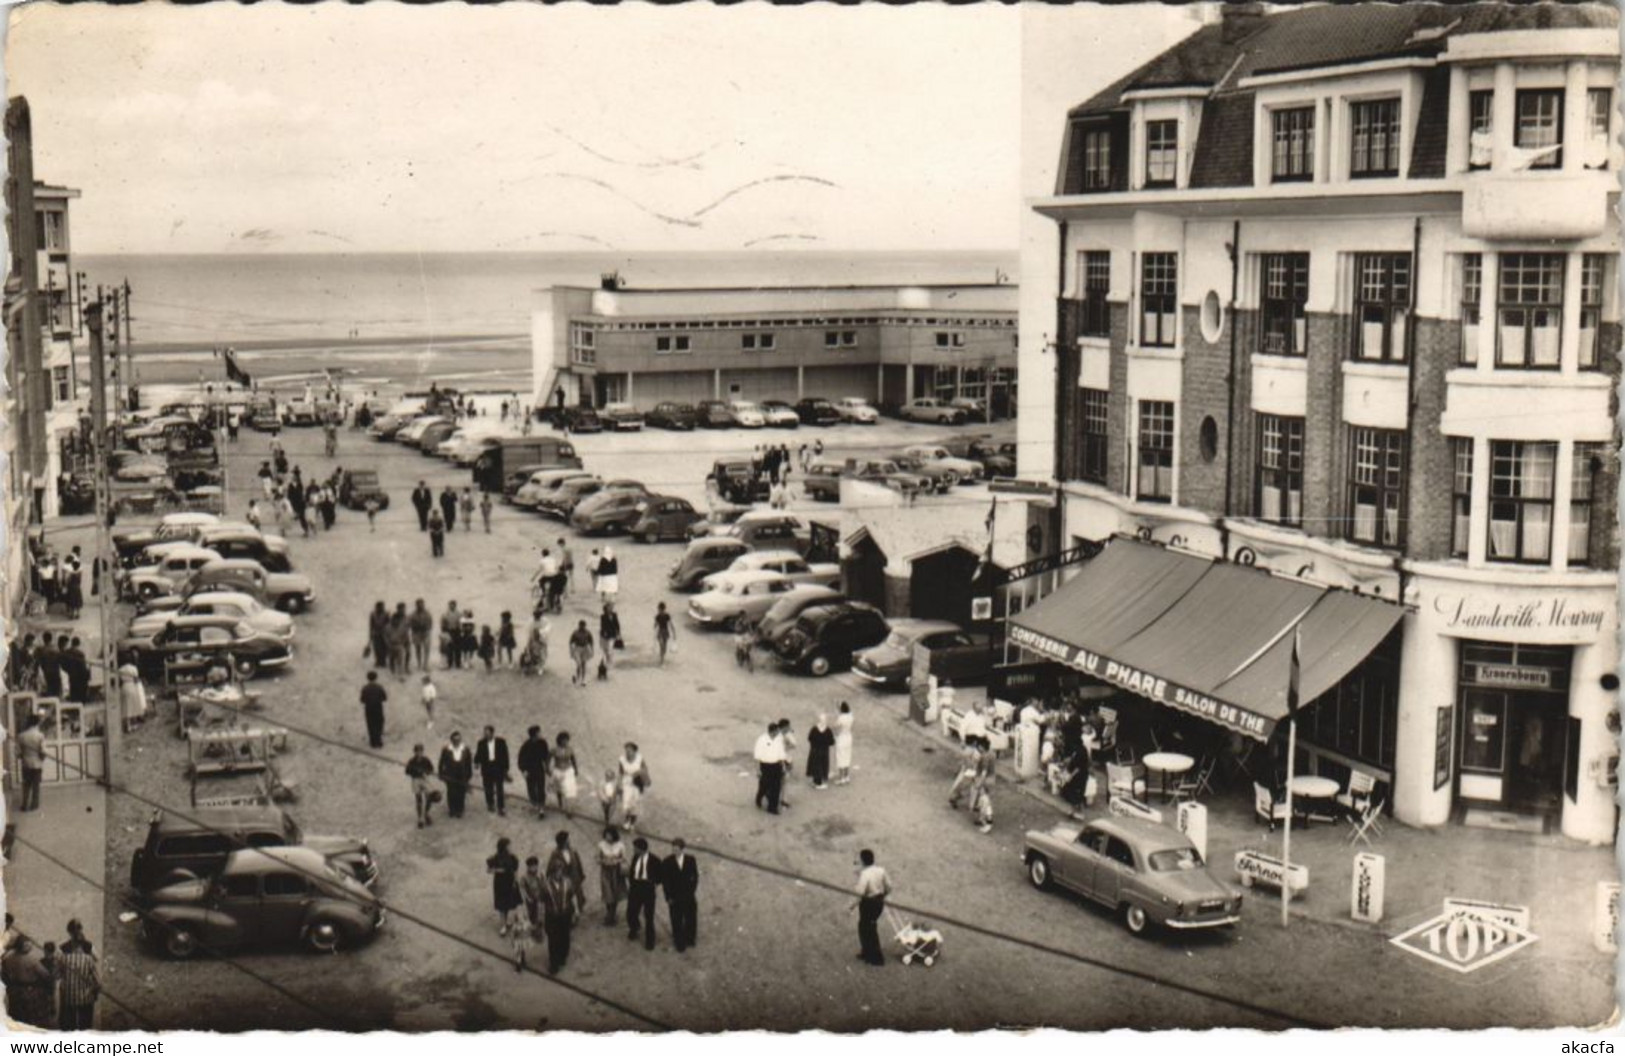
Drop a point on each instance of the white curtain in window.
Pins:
(1512, 338)
(1390, 522)
(1371, 340)
(1503, 536)
(1537, 533)
(1588, 346)
(1269, 503)
(1469, 343)
(1365, 521)
(1579, 533)
(1546, 339)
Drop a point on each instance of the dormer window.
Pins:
(1374, 150)
(1480, 129)
(1161, 153)
(1293, 145)
(1097, 159)
(1540, 126)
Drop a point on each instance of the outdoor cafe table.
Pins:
(1317, 790)
(1165, 763)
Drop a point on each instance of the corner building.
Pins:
(1337, 297)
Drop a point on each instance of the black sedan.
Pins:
(196, 642)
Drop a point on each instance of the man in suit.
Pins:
(456, 770)
(422, 501)
(680, 876)
(643, 877)
(491, 756)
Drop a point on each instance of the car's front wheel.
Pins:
(1135, 920)
(247, 667)
(651, 535)
(324, 936)
(1038, 871)
(294, 603)
(180, 942)
(818, 665)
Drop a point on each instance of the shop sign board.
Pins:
(1605, 935)
(1124, 807)
(1513, 916)
(1443, 742)
(1254, 867)
(1466, 939)
(981, 609)
(1512, 676)
(1192, 822)
(1552, 619)
(1370, 883)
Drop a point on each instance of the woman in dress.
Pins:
(507, 639)
(820, 739)
(564, 780)
(504, 870)
(609, 633)
(611, 873)
(609, 575)
(581, 652)
(634, 779)
(843, 745)
(665, 633)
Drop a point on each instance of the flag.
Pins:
(1293, 674)
(235, 373)
(987, 554)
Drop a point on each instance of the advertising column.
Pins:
(1427, 698)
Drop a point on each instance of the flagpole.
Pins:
(1286, 839)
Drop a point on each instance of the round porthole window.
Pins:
(1209, 437)
(1212, 317)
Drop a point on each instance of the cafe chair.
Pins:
(1365, 822)
(1358, 794)
(1121, 780)
(1266, 808)
(1108, 730)
(1195, 782)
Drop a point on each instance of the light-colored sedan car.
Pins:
(791, 564)
(738, 599)
(1145, 872)
(930, 410)
(967, 469)
(413, 432)
(244, 607)
(746, 414)
(543, 483)
(856, 409)
(780, 415)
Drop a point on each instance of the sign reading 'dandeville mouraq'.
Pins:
(1145, 683)
(1553, 619)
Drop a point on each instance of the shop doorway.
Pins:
(1513, 703)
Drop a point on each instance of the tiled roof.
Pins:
(1224, 146)
(1432, 126)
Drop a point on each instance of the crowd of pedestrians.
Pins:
(49, 986)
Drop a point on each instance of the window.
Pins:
(671, 343)
(1381, 306)
(285, 885)
(1286, 291)
(1521, 485)
(62, 381)
(756, 342)
(1540, 126)
(1529, 311)
(1159, 295)
(1375, 147)
(1593, 268)
(1376, 486)
(1280, 470)
(1294, 145)
(1599, 112)
(1461, 495)
(1155, 482)
(840, 338)
(1161, 153)
(583, 345)
(1119, 852)
(942, 339)
(52, 231)
(1587, 458)
(1097, 284)
(1092, 456)
(240, 886)
(1359, 717)
(1097, 160)
(1472, 295)
(1480, 126)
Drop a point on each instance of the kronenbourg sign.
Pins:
(1606, 933)
(1366, 892)
(1464, 940)
(1192, 821)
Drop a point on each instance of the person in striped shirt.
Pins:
(80, 977)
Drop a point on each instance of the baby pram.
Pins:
(918, 942)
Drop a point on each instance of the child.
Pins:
(488, 646)
(372, 513)
(609, 793)
(507, 639)
(982, 805)
(468, 637)
(744, 649)
(429, 694)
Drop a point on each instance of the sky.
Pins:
(381, 127)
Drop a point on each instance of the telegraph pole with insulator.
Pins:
(104, 564)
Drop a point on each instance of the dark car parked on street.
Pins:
(270, 551)
(705, 555)
(738, 481)
(815, 410)
(664, 517)
(824, 638)
(670, 415)
(359, 485)
(197, 641)
(713, 414)
(580, 420)
(956, 654)
(186, 847)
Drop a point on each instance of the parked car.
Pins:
(937, 478)
(956, 654)
(138, 467)
(356, 486)
(669, 415)
(247, 541)
(886, 472)
(197, 844)
(815, 410)
(792, 564)
(856, 409)
(965, 469)
(713, 414)
(288, 591)
(791, 605)
(822, 481)
(738, 481)
(128, 542)
(824, 637)
(736, 600)
(746, 414)
(200, 640)
(932, 410)
(237, 604)
(622, 417)
(771, 530)
(501, 456)
(1148, 873)
(412, 432)
(466, 445)
(560, 502)
(611, 511)
(172, 563)
(704, 556)
(277, 896)
(980, 447)
(975, 410)
(719, 519)
(662, 517)
(780, 415)
(265, 420)
(581, 420)
(386, 427)
(544, 483)
(434, 435)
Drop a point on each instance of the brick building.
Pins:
(1337, 298)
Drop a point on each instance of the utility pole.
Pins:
(131, 390)
(105, 587)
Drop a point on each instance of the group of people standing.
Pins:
(439, 516)
(54, 665)
(47, 986)
(59, 580)
(286, 496)
(829, 747)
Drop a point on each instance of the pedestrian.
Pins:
(73, 591)
(970, 758)
(252, 516)
(643, 877)
(468, 637)
(567, 566)
(330, 439)
(503, 868)
(30, 981)
(81, 981)
(371, 506)
(420, 625)
(491, 757)
(533, 891)
(981, 799)
(418, 771)
(592, 568)
(564, 778)
(843, 745)
(330, 506)
(534, 658)
(820, 739)
(451, 622)
(609, 578)
(818, 448)
(398, 637)
(609, 636)
(533, 764)
(296, 499)
(488, 646)
(50, 665)
(777, 497)
(76, 669)
(565, 863)
(787, 744)
(372, 708)
(456, 772)
(313, 502)
(873, 887)
(422, 502)
(280, 510)
(437, 534)
(485, 510)
(448, 508)
(31, 757)
(745, 649)
(466, 505)
(559, 908)
(581, 650)
(611, 873)
(507, 640)
(609, 793)
(665, 632)
(769, 755)
(804, 458)
(680, 876)
(547, 580)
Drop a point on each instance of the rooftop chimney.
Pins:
(1237, 20)
(609, 280)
